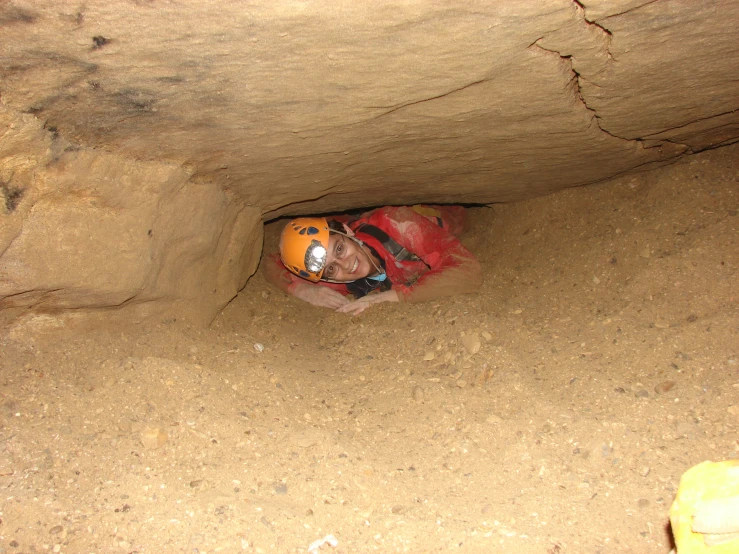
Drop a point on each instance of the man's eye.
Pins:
(329, 271)
(340, 248)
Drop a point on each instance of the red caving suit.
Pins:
(430, 232)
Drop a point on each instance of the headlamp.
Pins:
(315, 257)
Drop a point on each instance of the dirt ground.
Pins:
(555, 411)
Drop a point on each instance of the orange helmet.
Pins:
(304, 246)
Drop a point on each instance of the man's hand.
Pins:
(355, 307)
(323, 297)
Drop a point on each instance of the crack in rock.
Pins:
(577, 89)
(624, 12)
(422, 100)
(580, 8)
(577, 79)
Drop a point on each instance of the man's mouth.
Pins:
(355, 266)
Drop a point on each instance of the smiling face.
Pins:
(346, 260)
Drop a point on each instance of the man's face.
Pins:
(346, 261)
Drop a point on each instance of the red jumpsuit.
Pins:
(447, 267)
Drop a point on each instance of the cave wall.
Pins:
(196, 120)
(81, 228)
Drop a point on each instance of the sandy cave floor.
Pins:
(552, 412)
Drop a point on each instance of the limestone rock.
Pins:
(96, 230)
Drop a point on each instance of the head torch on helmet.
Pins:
(315, 257)
(304, 247)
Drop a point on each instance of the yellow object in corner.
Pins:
(705, 513)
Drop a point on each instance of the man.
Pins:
(391, 254)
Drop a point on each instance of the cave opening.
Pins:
(591, 368)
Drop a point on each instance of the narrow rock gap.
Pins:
(363, 209)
